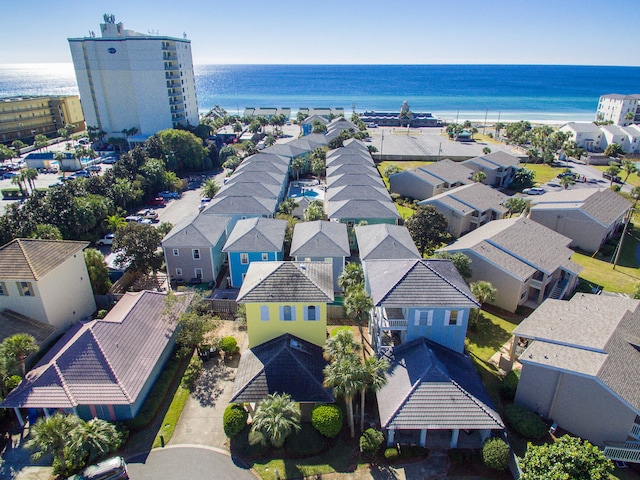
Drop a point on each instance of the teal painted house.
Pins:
(416, 298)
(253, 240)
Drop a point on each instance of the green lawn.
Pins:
(623, 279)
(544, 173)
(405, 212)
(171, 417)
(336, 459)
(633, 180)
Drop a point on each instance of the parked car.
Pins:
(106, 240)
(114, 468)
(132, 218)
(94, 168)
(110, 160)
(566, 174)
(534, 191)
(145, 221)
(166, 194)
(156, 202)
(80, 173)
(148, 214)
(8, 175)
(614, 178)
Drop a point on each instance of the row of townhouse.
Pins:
(596, 138)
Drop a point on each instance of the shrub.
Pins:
(391, 454)
(525, 422)
(234, 419)
(102, 313)
(249, 444)
(304, 442)
(495, 453)
(12, 382)
(327, 419)
(228, 344)
(191, 373)
(370, 442)
(404, 452)
(510, 384)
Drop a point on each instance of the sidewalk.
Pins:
(15, 460)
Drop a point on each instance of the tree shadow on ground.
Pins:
(485, 333)
(210, 383)
(382, 472)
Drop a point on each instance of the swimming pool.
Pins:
(308, 189)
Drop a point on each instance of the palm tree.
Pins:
(341, 345)
(315, 211)
(40, 141)
(358, 303)
(344, 377)
(629, 116)
(209, 188)
(484, 292)
(629, 167)
(276, 417)
(287, 206)
(612, 171)
(94, 438)
(18, 347)
(17, 180)
(566, 181)
(50, 435)
(498, 126)
(478, 177)
(373, 378)
(351, 276)
(297, 165)
(114, 222)
(30, 175)
(486, 150)
(18, 145)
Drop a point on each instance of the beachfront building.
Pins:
(622, 110)
(405, 118)
(267, 112)
(129, 80)
(22, 118)
(587, 135)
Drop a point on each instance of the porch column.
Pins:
(46, 412)
(19, 415)
(454, 438)
(484, 434)
(390, 433)
(75, 411)
(512, 350)
(423, 437)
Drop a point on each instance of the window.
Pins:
(244, 258)
(264, 313)
(25, 289)
(176, 252)
(451, 317)
(196, 253)
(198, 272)
(265, 256)
(179, 272)
(3, 289)
(287, 313)
(312, 313)
(424, 318)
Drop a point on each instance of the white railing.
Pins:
(393, 323)
(635, 431)
(535, 284)
(623, 452)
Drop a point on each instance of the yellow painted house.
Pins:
(287, 297)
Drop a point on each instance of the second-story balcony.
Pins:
(391, 318)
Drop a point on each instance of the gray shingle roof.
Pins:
(430, 386)
(29, 258)
(594, 335)
(102, 362)
(467, 198)
(243, 205)
(357, 209)
(518, 238)
(320, 239)
(267, 282)
(417, 282)
(286, 364)
(289, 150)
(254, 189)
(196, 231)
(12, 323)
(347, 158)
(256, 235)
(385, 241)
(583, 127)
(352, 179)
(499, 158)
(256, 171)
(339, 169)
(448, 171)
(269, 157)
(362, 192)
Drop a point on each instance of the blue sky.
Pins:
(580, 32)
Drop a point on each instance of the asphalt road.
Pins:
(186, 461)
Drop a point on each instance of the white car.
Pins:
(106, 240)
(534, 191)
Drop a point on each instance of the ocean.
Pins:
(553, 93)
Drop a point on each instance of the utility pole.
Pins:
(624, 232)
(484, 127)
(381, 144)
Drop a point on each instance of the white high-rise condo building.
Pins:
(129, 80)
(622, 110)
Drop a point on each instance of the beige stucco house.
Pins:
(430, 180)
(525, 261)
(580, 361)
(500, 167)
(46, 280)
(588, 216)
(468, 207)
